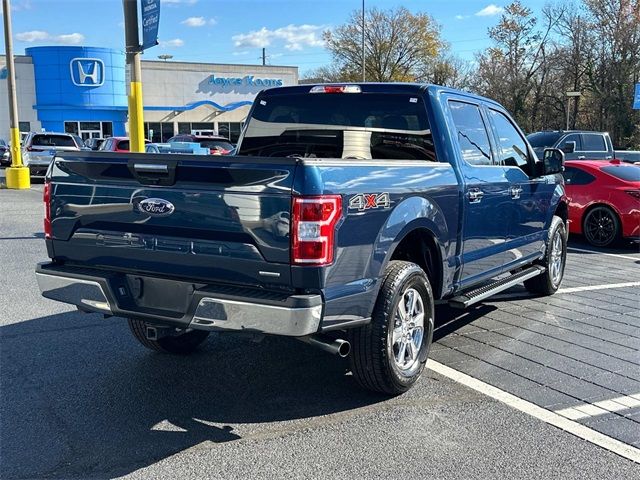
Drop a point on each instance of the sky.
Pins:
(235, 31)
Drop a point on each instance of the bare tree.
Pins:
(399, 45)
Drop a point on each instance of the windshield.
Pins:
(542, 140)
(53, 141)
(343, 125)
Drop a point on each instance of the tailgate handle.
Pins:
(151, 167)
(153, 172)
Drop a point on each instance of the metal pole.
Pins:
(132, 41)
(364, 70)
(17, 175)
(264, 56)
(568, 106)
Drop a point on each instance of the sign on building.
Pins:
(636, 98)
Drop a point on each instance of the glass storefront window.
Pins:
(184, 128)
(24, 126)
(107, 129)
(71, 127)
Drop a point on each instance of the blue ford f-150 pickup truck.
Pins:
(348, 212)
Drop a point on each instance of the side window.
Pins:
(576, 176)
(513, 148)
(472, 134)
(592, 142)
(574, 137)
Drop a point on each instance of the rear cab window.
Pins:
(42, 140)
(339, 125)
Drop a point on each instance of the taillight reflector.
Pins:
(46, 197)
(336, 89)
(313, 226)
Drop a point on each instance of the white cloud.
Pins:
(243, 52)
(295, 37)
(490, 11)
(461, 17)
(176, 42)
(42, 36)
(198, 21)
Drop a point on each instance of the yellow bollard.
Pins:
(18, 176)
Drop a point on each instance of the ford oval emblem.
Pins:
(156, 207)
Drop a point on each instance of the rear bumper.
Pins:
(206, 307)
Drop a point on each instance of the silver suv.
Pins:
(39, 149)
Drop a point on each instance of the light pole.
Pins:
(17, 174)
(132, 41)
(569, 95)
(364, 70)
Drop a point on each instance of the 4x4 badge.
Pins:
(366, 201)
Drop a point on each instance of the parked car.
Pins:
(580, 145)
(604, 200)
(176, 147)
(93, 143)
(39, 149)
(117, 144)
(217, 145)
(5, 154)
(350, 210)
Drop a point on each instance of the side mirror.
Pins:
(569, 147)
(553, 161)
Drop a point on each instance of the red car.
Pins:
(604, 200)
(117, 144)
(217, 145)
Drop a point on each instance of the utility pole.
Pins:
(18, 176)
(364, 70)
(264, 56)
(132, 41)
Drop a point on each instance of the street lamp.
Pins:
(165, 57)
(569, 95)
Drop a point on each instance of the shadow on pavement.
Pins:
(80, 398)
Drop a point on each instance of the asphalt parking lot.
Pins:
(79, 398)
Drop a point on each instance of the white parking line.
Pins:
(547, 416)
(600, 408)
(602, 253)
(598, 287)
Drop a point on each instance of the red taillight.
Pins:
(46, 197)
(634, 193)
(313, 226)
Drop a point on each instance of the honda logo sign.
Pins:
(87, 72)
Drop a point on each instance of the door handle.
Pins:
(475, 195)
(515, 192)
(581, 157)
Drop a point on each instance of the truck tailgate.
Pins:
(197, 217)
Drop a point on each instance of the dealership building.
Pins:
(83, 90)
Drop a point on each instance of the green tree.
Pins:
(399, 46)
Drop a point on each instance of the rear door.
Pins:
(195, 217)
(594, 147)
(485, 194)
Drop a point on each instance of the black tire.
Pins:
(601, 226)
(181, 344)
(373, 358)
(548, 282)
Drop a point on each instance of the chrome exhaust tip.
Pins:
(339, 347)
